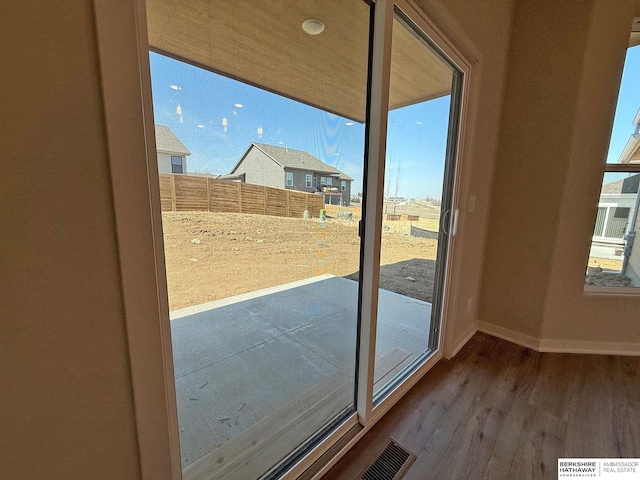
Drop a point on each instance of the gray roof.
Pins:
(298, 159)
(167, 141)
(612, 187)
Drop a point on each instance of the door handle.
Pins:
(444, 221)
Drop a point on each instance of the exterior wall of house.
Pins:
(259, 169)
(300, 183)
(610, 222)
(346, 195)
(300, 179)
(164, 162)
(64, 358)
(633, 263)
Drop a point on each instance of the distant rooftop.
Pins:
(292, 158)
(167, 141)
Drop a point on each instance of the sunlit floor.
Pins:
(240, 359)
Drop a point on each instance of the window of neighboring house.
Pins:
(309, 176)
(176, 164)
(289, 179)
(343, 185)
(323, 180)
(614, 257)
(329, 181)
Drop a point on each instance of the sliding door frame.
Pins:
(121, 42)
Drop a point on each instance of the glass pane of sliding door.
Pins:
(262, 106)
(418, 174)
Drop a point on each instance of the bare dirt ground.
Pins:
(605, 263)
(211, 256)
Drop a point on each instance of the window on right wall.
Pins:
(614, 257)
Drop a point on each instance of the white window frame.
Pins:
(308, 179)
(121, 33)
(176, 165)
(629, 168)
(329, 182)
(289, 177)
(343, 185)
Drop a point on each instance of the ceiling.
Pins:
(263, 44)
(635, 33)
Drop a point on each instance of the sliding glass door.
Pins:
(306, 228)
(419, 166)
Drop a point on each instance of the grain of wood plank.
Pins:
(500, 411)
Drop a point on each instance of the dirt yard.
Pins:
(211, 256)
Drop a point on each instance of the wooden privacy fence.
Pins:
(181, 193)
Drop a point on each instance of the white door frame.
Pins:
(126, 87)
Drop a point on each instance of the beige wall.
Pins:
(486, 25)
(563, 74)
(67, 408)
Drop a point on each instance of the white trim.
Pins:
(321, 448)
(510, 335)
(381, 409)
(454, 351)
(401, 390)
(622, 168)
(632, 146)
(126, 86)
(452, 40)
(379, 104)
(588, 347)
(593, 290)
(560, 346)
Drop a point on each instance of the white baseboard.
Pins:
(560, 346)
(462, 343)
(510, 335)
(597, 348)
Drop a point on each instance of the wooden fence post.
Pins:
(287, 201)
(173, 192)
(239, 197)
(264, 199)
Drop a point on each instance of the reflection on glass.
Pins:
(414, 174)
(260, 224)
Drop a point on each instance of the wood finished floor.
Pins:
(501, 411)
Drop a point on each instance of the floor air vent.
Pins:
(392, 463)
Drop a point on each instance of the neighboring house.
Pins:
(630, 154)
(284, 167)
(615, 207)
(172, 154)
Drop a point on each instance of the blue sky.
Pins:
(217, 118)
(628, 104)
(196, 105)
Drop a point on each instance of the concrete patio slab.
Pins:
(242, 358)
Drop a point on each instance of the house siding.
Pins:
(260, 169)
(300, 183)
(300, 180)
(346, 195)
(164, 162)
